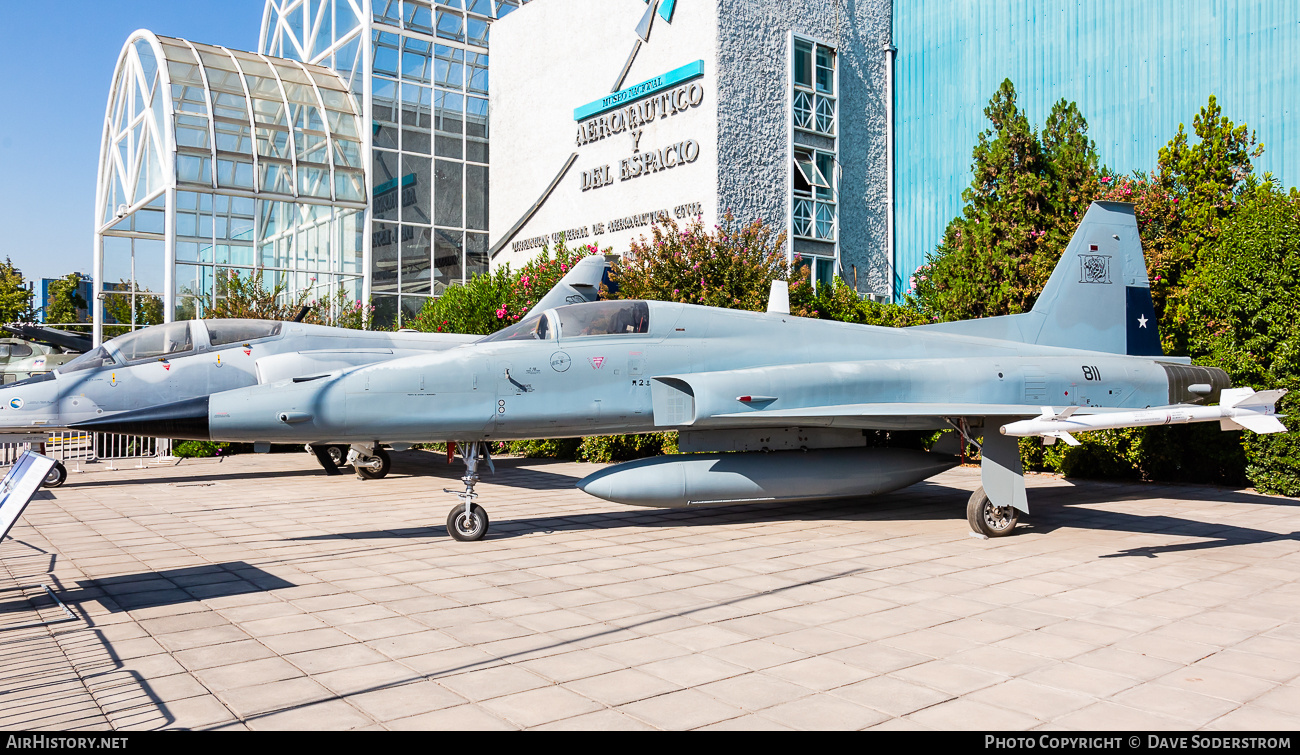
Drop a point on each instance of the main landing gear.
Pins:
(370, 466)
(987, 519)
(467, 520)
(371, 462)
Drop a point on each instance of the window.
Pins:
(15, 350)
(814, 194)
(814, 87)
(226, 332)
(537, 329)
(821, 270)
(155, 341)
(604, 318)
(814, 165)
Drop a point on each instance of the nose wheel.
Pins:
(466, 523)
(467, 520)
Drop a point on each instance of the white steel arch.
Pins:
(206, 124)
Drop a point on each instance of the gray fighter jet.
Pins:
(774, 406)
(184, 359)
(190, 359)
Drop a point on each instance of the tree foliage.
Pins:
(66, 303)
(15, 297)
(1026, 195)
(733, 266)
(250, 296)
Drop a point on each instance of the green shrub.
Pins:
(1242, 308)
(198, 449)
(562, 448)
(611, 448)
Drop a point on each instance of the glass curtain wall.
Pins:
(419, 69)
(219, 162)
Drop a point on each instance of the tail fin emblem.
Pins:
(1094, 268)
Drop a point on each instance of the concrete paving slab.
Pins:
(229, 595)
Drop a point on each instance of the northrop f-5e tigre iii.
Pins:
(774, 407)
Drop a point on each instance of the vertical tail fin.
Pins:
(1098, 297)
(580, 284)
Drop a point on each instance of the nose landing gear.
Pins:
(467, 520)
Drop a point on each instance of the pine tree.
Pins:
(1025, 198)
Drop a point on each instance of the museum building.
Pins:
(771, 109)
(361, 147)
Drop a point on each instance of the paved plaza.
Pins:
(255, 592)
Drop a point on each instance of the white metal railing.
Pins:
(74, 448)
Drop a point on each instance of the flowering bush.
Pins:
(491, 301)
(732, 266)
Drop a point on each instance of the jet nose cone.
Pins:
(182, 420)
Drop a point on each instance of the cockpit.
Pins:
(170, 340)
(154, 342)
(602, 318)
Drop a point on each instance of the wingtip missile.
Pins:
(1239, 408)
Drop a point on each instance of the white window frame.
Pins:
(792, 146)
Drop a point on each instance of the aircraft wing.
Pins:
(839, 414)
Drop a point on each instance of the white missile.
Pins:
(1238, 409)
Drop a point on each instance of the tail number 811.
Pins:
(1091, 373)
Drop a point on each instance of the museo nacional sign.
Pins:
(628, 110)
(625, 113)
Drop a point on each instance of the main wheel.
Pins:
(385, 463)
(466, 527)
(989, 520)
(337, 454)
(56, 476)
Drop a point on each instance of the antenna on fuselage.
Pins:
(778, 301)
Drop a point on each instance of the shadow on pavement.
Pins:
(171, 586)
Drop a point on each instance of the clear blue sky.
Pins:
(58, 61)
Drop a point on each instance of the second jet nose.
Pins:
(181, 420)
(30, 403)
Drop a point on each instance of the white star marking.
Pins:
(1142, 321)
